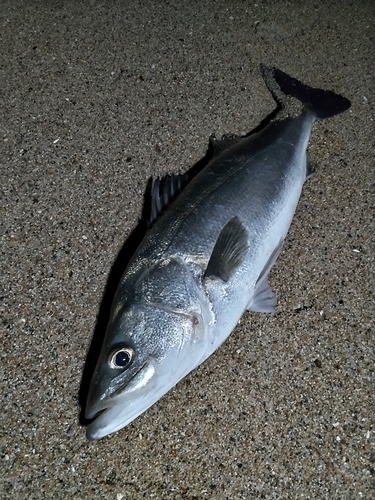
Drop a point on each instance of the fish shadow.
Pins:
(121, 262)
(118, 268)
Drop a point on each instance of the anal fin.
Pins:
(310, 171)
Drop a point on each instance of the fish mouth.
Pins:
(124, 405)
(110, 420)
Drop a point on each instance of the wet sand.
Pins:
(96, 98)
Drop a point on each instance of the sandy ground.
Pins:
(98, 96)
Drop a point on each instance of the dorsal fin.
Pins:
(220, 145)
(163, 191)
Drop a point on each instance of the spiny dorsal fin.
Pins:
(220, 145)
(163, 191)
(229, 250)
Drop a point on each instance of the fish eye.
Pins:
(121, 358)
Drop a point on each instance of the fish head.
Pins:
(146, 351)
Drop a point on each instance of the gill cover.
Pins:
(150, 344)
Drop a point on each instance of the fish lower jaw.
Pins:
(104, 424)
(121, 414)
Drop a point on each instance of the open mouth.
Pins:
(122, 411)
(117, 394)
(107, 421)
(126, 403)
(123, 405)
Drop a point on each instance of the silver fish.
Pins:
(205, 260)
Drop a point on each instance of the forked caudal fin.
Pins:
(322, 103)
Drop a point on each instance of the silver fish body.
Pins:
(204, 262)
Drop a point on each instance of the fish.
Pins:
(206, 258)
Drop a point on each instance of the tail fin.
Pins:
(322, 103)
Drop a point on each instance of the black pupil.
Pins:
(122, 358)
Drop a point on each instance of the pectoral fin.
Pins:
(229, 250)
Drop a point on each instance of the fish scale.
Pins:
(206, 258)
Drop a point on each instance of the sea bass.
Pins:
(206, 259)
